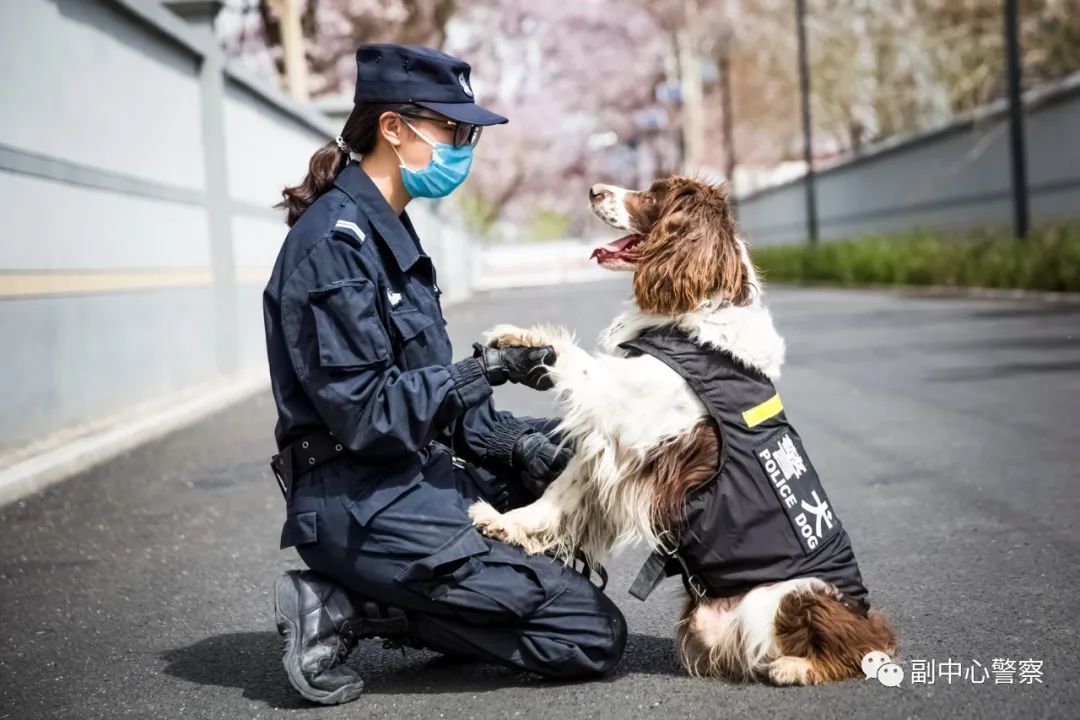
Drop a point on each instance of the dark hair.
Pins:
(360, 133)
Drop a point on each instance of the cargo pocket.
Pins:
(350, 334)
(484, 580)
(390, 514)
(378, 496)
(450, 565)
(300, 529)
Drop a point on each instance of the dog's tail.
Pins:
(822, 639)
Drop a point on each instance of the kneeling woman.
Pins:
(385, 441)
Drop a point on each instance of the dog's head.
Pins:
(682, 245)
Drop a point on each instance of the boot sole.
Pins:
(286, 607)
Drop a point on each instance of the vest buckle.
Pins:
(696, 585)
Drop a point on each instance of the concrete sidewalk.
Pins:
(946, 432)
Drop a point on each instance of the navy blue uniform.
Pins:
(357, 345)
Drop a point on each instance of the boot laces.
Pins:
(346, 642)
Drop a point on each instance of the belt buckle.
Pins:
(281, 466)
(454, 459)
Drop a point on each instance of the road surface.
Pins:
(946, 431)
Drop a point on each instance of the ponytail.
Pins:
(325, 164)
(361, 133)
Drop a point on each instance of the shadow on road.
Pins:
(251, 662)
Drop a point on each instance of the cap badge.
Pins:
(464, 84)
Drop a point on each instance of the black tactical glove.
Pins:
(539, 460)
(520, 364)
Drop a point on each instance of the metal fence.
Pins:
(137, 175)
(957, 177)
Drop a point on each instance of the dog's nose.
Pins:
(598, 192)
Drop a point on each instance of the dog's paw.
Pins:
(539, 335)
(504, 335)
(790, 670)
(487, 520)
(504, 528)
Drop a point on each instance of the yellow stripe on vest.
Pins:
(759, 414)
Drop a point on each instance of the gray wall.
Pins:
(956, 177)
(137, 177)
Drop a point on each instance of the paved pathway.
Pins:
(946, 431)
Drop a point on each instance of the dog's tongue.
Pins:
(615, 248)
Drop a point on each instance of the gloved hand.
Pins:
(519, 364)
(539, 460)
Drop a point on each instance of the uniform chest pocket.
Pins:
(410, 322)
(349, 332)
(421, 340)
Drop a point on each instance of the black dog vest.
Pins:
(764, 516)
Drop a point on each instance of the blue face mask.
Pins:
(448, 168)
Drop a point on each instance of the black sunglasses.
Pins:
(464, 133)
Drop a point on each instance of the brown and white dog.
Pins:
(643, 440)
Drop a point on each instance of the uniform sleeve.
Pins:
(485, 434)
(341, 353)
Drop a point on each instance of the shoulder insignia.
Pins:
(351, 228)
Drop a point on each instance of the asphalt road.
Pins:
(945, 431)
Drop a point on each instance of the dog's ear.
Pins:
(691, 253)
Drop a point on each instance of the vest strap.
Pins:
(651, 574)
(654, 570)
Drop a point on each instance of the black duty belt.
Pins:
(304, 455)
(311, 451)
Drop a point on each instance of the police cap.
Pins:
(422, 76)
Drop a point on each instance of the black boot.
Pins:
(321, 623)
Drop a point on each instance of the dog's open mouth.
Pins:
(618, 251)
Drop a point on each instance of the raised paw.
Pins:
(503, 336)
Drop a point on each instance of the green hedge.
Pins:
(1048, 260)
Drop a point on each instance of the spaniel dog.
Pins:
(645, 443)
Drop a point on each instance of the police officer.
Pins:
(385, 441)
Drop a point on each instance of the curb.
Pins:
(944, 291)
(60, 456)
